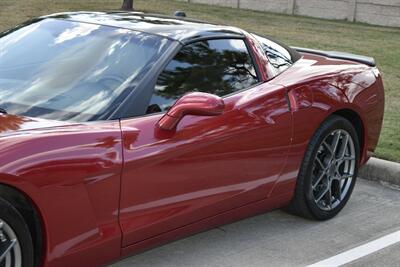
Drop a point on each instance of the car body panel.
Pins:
(72, 174)
(344, 85)
(107, 189)
(205, 167)
(239, 213)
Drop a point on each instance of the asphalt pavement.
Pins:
(279, 239)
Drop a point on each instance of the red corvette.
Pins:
(121, 131)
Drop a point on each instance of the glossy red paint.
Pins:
(109, 189)
(72, 175)
(200, 104)
(206, 167)
(259, 57)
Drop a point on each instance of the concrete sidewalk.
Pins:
(279, 239)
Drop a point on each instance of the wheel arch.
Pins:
(355, 119)
(27, 208)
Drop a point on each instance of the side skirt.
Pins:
(209, 223)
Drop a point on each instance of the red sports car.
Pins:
(121, 131)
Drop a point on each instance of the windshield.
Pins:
(64, 70)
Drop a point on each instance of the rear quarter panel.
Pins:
(318, 87)
(366, 92)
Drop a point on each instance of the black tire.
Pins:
(14, 219)
(303, 202)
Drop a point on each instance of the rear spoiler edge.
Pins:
(339, 55)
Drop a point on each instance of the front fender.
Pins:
(72, 175)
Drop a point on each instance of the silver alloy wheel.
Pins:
(10, 250)
(333, 169)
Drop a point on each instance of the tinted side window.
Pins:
(218, 67)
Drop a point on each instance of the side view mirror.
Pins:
(200, 104)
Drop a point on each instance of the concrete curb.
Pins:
(381, 170)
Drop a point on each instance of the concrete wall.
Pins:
(378, 12)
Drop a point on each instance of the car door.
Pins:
(209, 164)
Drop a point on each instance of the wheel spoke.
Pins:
(327, 146)
(5, 248)
(346, 176)
(10, 250)
(319, 179)
(322, 194)
(320, 163)
(348, 158)
(335, 143)
(343, 147)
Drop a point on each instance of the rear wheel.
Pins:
(328, 172)
(16, 247)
